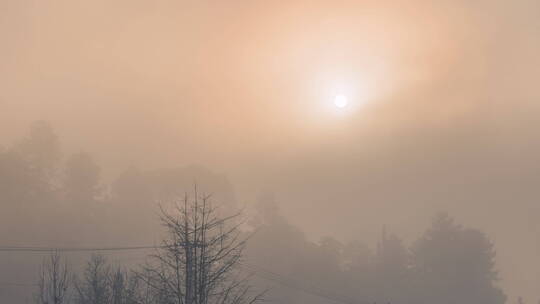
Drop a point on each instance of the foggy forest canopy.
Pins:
(51, 200)
(378, 151)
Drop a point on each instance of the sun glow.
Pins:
(341, 101)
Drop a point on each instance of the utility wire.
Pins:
(259, 271)
(295, 284)
(71, 249)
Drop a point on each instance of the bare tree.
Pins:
(94, 287)
(53, 282)
(198, 261)
(125, 288)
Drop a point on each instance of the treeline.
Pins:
(196, 263)
(57, 200)
(41, 186)
(449, 263)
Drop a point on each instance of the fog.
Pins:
(236, 97)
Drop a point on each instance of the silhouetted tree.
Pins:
(125, 288)
(81, 183)
(198, 261)
(391, 269)
(28, 185)
(282, 247)
(41, 149)
(359, 270)
(453, 264)
(54, 281)
(94, 287)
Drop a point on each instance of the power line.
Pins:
(295, 284)
(71, 249)
(259, 271)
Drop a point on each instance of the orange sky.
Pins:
(448, 93)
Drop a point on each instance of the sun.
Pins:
(341, 101)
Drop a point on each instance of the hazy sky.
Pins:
(443, 114)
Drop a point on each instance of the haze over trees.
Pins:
(198, 262)
(448, 264)
(42, 187)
